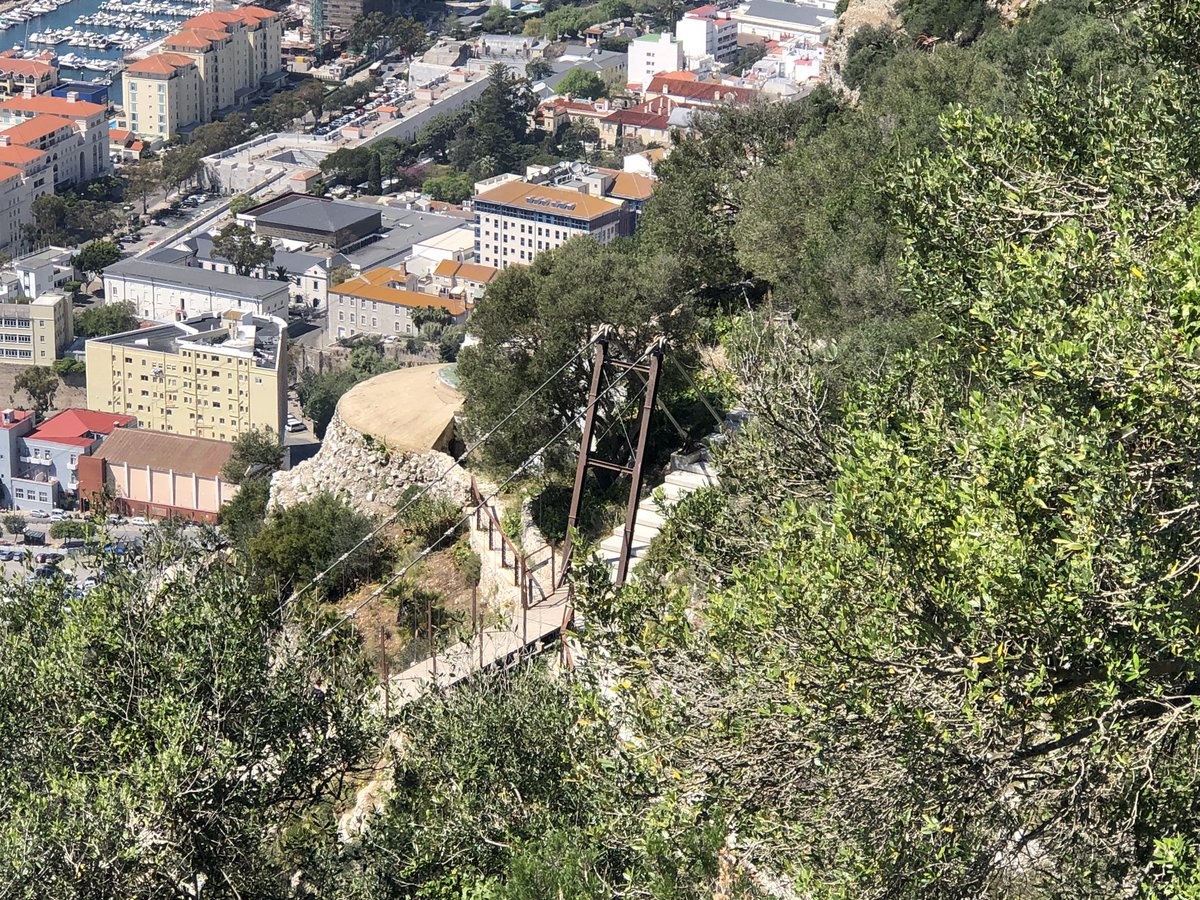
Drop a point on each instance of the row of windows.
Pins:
(20, 494)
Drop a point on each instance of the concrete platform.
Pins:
(408, 410)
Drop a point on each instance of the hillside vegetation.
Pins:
(935, 635)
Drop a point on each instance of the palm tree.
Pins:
(281, 274)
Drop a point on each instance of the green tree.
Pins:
(538, 69)
(238, 244)
(144, 178)
(493, 139)
(127, 767)
(93, 258)
(319, 395)
(106, 318)
(296, 543)
(449, 188)
(239, 203)
(68, 529)
(535, 318)
(244, 515)
(582, 83)
(257, 451)
(14, 524)
(374, 176)
(68, 367)
(40, 384)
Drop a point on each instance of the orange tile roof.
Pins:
(214, 19)
(449, 268)
(195, 38)
(160, 64)
(54, 106)
(631, 186)
(19, 156)
(375, 285)
(672, 85)
(33, 129)
(254, 12)
(9, 172)
(14, 66)
(529, 196)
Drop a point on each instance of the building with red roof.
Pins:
(215, 63)
(72, 132)
(19, 75)
(40, 465)
(684, 89)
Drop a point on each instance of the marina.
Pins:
(96, 34)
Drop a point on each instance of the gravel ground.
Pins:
(68, 394)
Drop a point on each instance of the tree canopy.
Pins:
(106, 318)
(238, 244)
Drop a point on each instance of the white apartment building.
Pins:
(707, 33)
(161, 292)
(651, 54)
(517, 220)
(777, 20)
(71, 132)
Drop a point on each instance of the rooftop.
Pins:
(239, 286)
(16, 415)
(159, 64)
(699, 91)
(788, 13)
(34, 129)
(213, 331)
(16, 66)
(629, 186)
(402, 228)
(544, 198)
(386, 285)
(79, 427)
(311, 213)
(449, 268)
(53, 106)
(160, 450)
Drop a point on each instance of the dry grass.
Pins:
(68, 394)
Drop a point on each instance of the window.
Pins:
(19, 493)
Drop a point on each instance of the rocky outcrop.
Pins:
(372, 477)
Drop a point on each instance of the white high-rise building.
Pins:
(651, 54)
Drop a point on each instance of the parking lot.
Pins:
(394, 91)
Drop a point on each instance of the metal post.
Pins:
(639, 458)
(490, 547)
(585, 443)
(429, 629)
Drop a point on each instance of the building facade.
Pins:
(71, 132)
(39, 464)
(36, 332)
(382, 303)
(651, 54)
(161, 292)
(137, 472)
(515, 221)
(777, 20)
(216, 62)
(19, 75)
(162, 95)
(707, 33)
(212, 376)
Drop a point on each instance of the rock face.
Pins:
(370, 476)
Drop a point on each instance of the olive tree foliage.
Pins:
(946, 644)
(163, 737)
(536, 319)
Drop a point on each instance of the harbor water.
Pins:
(91, 37)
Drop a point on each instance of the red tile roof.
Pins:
(14, 66)
(71, 425)
(160, 64)
(19, 156)
(34, 129)
(699, 91)
(54, 106)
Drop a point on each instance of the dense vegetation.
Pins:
(933, 637)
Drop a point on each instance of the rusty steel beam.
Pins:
(639, 459)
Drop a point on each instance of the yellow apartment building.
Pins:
(210, 377)
(234, 55)
(35, 332)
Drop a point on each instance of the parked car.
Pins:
(11, 555)
(39, 514)
(49, 559)
(113, 519)
(139, 521)
(44, 571)
(57, 515)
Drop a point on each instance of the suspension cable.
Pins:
(390, 518)
(449, 532)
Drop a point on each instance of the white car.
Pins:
(139, 521)
(39, 514)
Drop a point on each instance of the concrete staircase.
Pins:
(686, 475)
